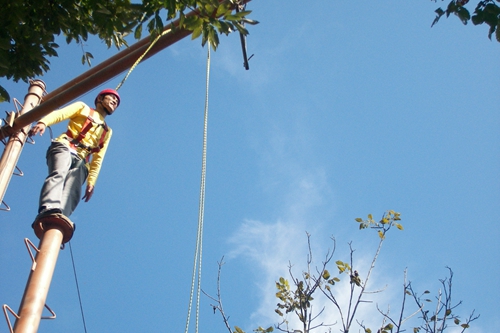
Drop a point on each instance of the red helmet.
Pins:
(108, 92)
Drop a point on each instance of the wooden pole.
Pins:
(16, 142)
(37, 287)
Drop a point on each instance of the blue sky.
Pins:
(348, 108)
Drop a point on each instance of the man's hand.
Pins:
(38, 128)
(88, 193)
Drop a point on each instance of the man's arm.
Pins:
(57, 116)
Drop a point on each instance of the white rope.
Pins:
(199, 237)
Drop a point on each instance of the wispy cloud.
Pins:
(272, 247)
(299, 194)
(302, 200)
(302, 197)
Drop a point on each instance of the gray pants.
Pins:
(63, 186)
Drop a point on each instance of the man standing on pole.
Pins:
(77, 154)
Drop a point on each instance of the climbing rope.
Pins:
(199, 236)
(141, 57)
(196, 276)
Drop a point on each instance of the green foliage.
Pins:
(258, 330)
(86, 58)
(298, 301)
(28, 27)
(388, 221)
(486, 11)
(4, 95)
(28, 30)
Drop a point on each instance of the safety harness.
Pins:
(77, 142)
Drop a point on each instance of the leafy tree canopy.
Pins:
(29, 27)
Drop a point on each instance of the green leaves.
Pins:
(258, 330)
(298, 301)
(388, 328)
(463, 14)
(155, 25)
(486, 11)
(343, 266)
(4, 95)
(217, 18)
(29, 27)
(388, 220)
(238, 330)
(86, 58)
(346, 268)
(330, 281)
(138, 32)
(363, 224)
(285, 295)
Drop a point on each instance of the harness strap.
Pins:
(77, 142)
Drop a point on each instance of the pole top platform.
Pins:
(54, 221)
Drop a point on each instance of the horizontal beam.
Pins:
(95, 76)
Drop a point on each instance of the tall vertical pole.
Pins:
(37, 288)
(16, 142)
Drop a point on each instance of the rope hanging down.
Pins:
(77, 286)
(199, 237)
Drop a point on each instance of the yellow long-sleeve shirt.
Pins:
(77, 114)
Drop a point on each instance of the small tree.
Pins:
(297, 295)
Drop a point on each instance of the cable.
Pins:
(77, 288)
(199, 236)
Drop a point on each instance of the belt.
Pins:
(74, 144)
